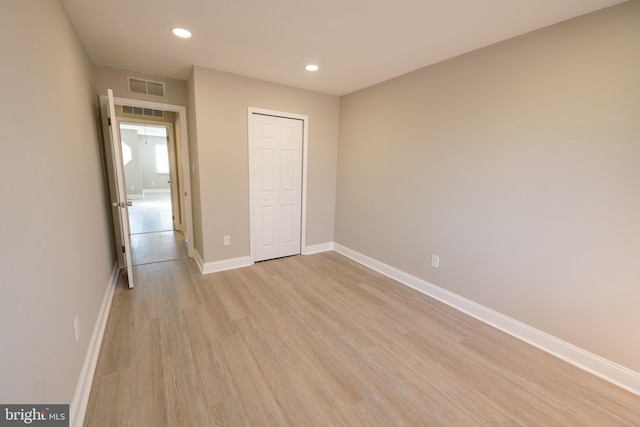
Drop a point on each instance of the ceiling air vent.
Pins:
(137, 111)
(145, 87)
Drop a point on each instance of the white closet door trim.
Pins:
(305, 141)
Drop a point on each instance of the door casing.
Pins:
(186, 174)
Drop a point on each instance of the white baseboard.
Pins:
(597, 365)
(316, 249)
(225, 264)
(80, 400)
(198, 259)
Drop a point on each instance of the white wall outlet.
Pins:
(76, 326)
(435, 261)
(227, 240)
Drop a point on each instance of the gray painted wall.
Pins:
(218, 118)
(56, 251)
(141, 173)
(151, 180)
(116, 79)
(519, 165)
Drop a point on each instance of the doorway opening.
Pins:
(149, 154)
(159, 213)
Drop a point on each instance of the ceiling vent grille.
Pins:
(145, 87)
(138, 111)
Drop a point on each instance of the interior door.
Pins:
(115, 167)
(277, 175)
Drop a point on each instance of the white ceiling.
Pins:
(356, 43)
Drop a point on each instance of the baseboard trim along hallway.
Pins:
(222, 265)
(229, 264)
(583, 359)
(607, 370)
(78, 405)
(323, 340)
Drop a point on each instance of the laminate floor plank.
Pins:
(151, 213)
(207, 355)
(320, 340)
(254, 393)
(290, 389)
(185, 400)
(157, 246)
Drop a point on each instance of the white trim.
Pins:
(222, 265)
(305, 144)
(199, 261)
(316, 249)
(186, 165)
(583, 359)
(80, 400)
(226, 264)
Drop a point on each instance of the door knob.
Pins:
(122, 204)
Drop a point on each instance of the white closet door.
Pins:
(277, 174)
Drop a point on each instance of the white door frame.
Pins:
(305, 140)
(182, 114)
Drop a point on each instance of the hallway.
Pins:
(153, 238)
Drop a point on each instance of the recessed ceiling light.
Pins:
(312, 67)
(181, 32)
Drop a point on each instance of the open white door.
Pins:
(115, 166)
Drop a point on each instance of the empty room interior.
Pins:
(321, 213)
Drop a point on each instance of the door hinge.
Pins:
(173, 217)
(109, 120)
(123, 251)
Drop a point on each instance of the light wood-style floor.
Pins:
(322, 341)
(157, 247)
(153, 238)
(151, 213)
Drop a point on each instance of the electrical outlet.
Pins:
(76, 326)
(227, 240)
(435, 261)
